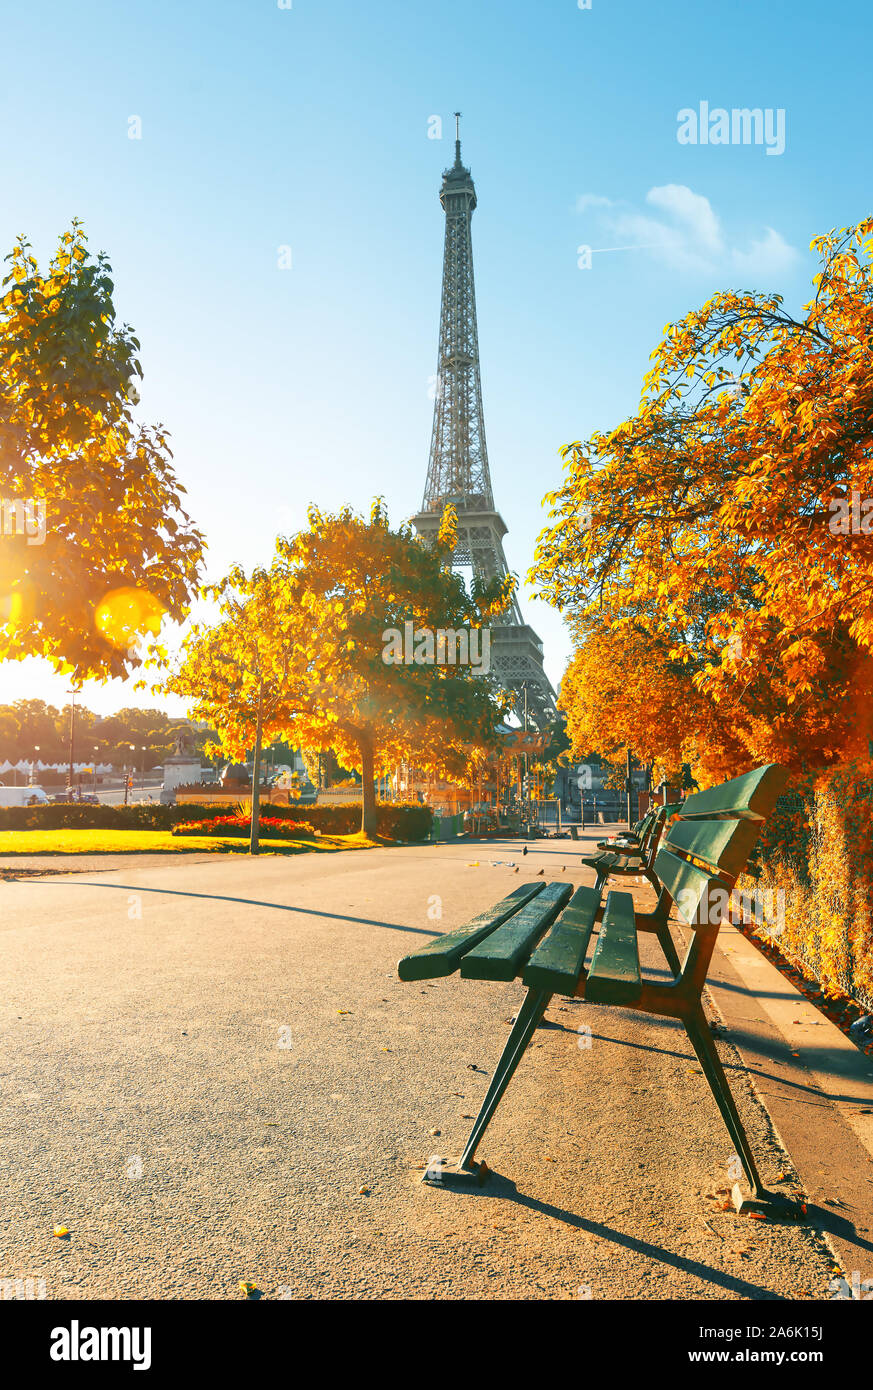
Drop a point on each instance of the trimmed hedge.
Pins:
(396, 820)
(73, 815)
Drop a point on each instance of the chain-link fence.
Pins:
(813, 899)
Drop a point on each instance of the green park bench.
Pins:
(631, 838)
(541, 933)
(626, 861)
(625, 856)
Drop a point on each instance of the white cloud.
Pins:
(592, 200)
(686, 234)
(767, 256)
(691, 213)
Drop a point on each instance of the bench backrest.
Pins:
(702, 853)
(660, 818)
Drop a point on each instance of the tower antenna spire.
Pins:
(457, 137)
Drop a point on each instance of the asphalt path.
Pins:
(211, 1073)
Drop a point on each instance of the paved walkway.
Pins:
(206, 1063)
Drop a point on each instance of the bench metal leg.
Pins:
(666, 943)
(703, 1043)
(529, 1015)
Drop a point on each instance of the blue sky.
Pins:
(307, 127)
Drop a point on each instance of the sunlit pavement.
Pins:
(213, 1074)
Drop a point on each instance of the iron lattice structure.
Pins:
(458, 469)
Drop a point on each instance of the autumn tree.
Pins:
(313, 633)
(236, 672)
(322, 763)
(622, 690)
(102, 550)
(723, 524)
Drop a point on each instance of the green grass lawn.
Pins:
(159, 842)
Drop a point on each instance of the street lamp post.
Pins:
(96, 751)
(34, 760)
(128, 775)
(72, 693)
(142, 749)
(526, 783)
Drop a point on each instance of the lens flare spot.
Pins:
(123, 615)
(16, 608)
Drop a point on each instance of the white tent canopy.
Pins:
(26, 764)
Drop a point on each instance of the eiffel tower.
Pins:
(458, 467)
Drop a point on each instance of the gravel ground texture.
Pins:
(211, 1073)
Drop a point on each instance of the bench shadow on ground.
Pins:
(738, 1037)
(247, 902)
(500, 1188)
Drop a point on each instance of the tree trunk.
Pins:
(254, 840)
(369, 824)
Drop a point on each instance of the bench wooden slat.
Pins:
(442, 955)
(500, 954)
(725, 844)
(557, 962)
(614, 977)
(699, 896)
(750, 797)
(607, 860)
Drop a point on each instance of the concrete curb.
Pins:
(815, 1085)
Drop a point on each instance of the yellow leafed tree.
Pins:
(301, 651)
(726, 531)
(101, 549)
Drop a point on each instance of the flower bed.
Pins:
(269, 827)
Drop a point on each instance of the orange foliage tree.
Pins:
(302, 652)
(101, 549)
(722, 537)
(623, 690)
